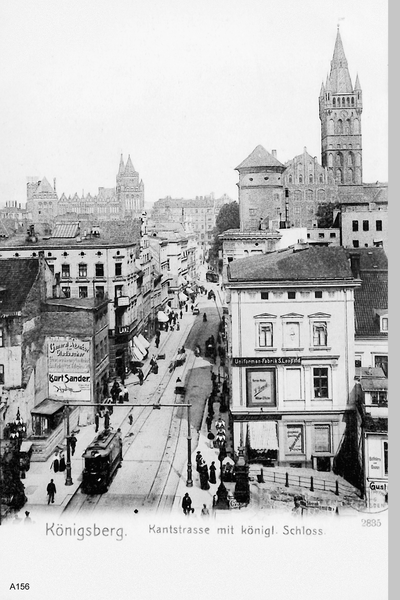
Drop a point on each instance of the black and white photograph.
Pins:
(194, 299)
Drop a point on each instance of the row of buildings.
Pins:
(308, 321)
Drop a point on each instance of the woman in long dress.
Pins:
(213, 478)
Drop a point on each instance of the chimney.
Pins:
(54, 184)
(274, 153)
(355, 265)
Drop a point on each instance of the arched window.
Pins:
(339, 176)
(339, 126)
(352, 101)
(351, 177)
(297, 196)
(321, 196)
(350, 159)
(358, 159)
(309, 195)
(300, 178)
(331, 127)
(310, 178)
(321, 178)
(290, 179)
(348, 101)
(334, 102)
(348, 126)
(343, 101)
(330, 160)
(339, 159)
(356, 125)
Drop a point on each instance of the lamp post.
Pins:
(68, 478)
(189, 480)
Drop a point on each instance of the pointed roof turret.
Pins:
(339, 78)
(121, 166)
(129, 168)
(322, 92)
(259, 158)
(357, 85)
(44, 187)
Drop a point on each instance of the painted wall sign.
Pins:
(69, 368)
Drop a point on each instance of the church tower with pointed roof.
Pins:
(130, 190)
(340, 108)
(42, 200)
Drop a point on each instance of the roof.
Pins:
(65, 230)
(259, 158)
(17, 276)
(310, 263)
(372, 297)
(44, 188)
(339, 78)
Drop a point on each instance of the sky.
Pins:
(187, 88)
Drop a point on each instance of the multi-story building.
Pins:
(126, 200)
(364, 221)
(198, 215)
(111, 261)
(292, 357)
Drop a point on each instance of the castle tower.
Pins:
(42, 200)
(130, 191)
(340, 108)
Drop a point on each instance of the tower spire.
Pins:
(121, 166)
(339, 78)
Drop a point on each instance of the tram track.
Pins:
(84, 503)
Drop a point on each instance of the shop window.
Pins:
(99, 270)
(322, 438)
(82, 270)
(83, 291)
(65, 270)
(320, 334)
(265, 335)
(295, 439)
(320, 382)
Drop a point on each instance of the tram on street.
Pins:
(101, 458)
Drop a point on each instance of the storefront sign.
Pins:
(265, 361)
(261, 387)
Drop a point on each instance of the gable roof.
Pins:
(17, 275)
(259, 158)
(310, 263)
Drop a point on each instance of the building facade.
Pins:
(292, 348)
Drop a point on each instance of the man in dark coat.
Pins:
(51, 490)
(187, 504)
(97, 421)
(72, 443)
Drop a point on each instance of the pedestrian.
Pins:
(62, 463)
(208, 422)
(220, 424)
(72, 443)
(204, 511)
(96, 421)
(51, 490)
(106, 419)
(126, 394)
(27, 520)
(166, 326)
(186, 307)
(204, 477)
(180, 314)
(55, 465)
(187, 504)
(130, 418)
(213, 469)
(141, 376)
(204, 317)
(157, 342)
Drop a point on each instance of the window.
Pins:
(320, 336)
(318, 294)
(293, 384)
(383, 363)
(66, 291)
(332, 235)
(99, 270)
(355, 225)
(384, 323)
(366, 225)
(322, 438)
(265, 335)
(379, 398)
(291, 295)
(99, 291)
(83, 291)
(321, 235)
(118, 269)
(82, 270)
(264, 295)
(320, 379)
(378, 225)
(2, 374)
(65, 271)
(295, 439)
(291, 335)
(356, 244)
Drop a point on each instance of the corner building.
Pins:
(291, 338)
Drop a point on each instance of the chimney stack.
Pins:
(274, 153)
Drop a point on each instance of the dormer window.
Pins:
(384, 324)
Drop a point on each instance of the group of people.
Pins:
(207, 476)
(119, 394)
(188, 509)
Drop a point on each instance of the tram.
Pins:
(212, 276)
(101, 458)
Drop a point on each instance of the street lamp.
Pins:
(68, 478)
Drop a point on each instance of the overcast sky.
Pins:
(187, 88)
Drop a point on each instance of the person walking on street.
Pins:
(126, 394)
(51, 490)
(56, 463)
(208, 422)
(141, 376)
(213, 478)
(72, 443)
(62, 463)
(187, 504)
(96, 421)
(106, 419)
(180, 314)
(186, 307)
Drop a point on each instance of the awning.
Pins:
(162, 317)
(263, 435)
(25, 446)
(143, 341)
(189, 290)
(136, 354)
(47, 407)
(182, 297)
(138, 344)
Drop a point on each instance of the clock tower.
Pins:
(340, 108)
